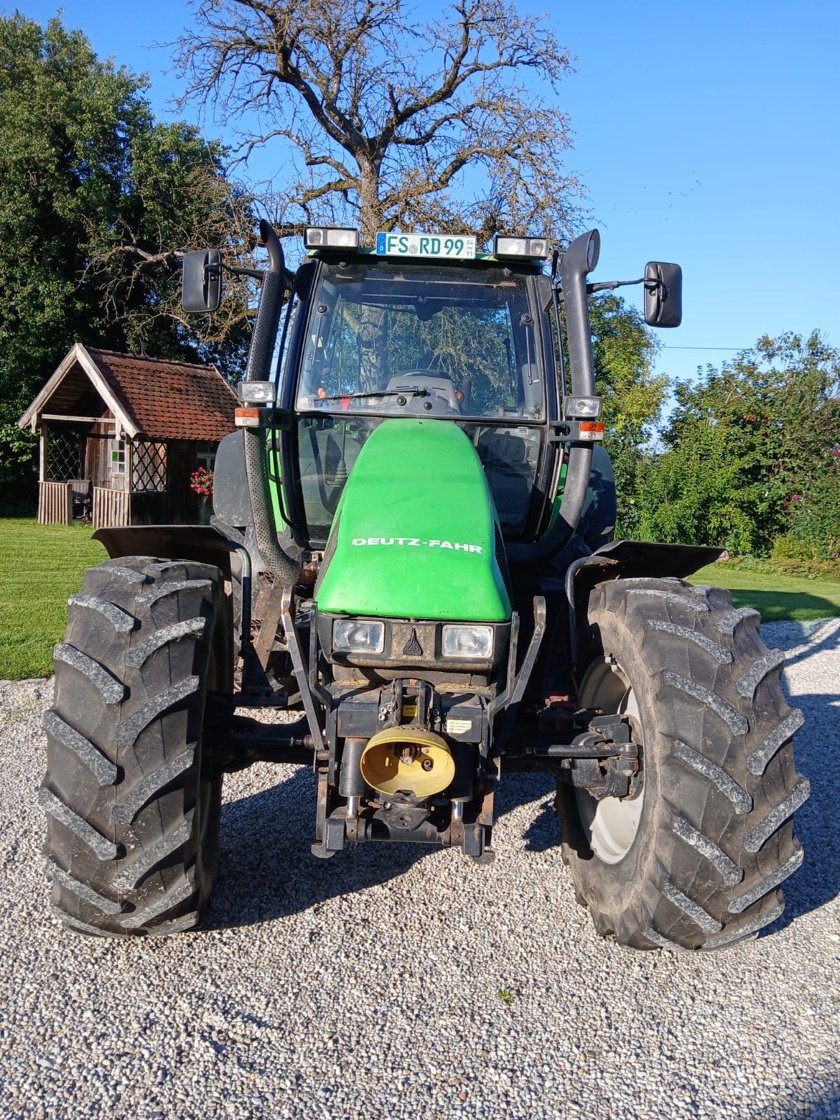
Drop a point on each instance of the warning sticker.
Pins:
(458, 726)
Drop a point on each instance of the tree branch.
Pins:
(380, 107)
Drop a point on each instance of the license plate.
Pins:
(440, 245)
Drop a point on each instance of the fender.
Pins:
(627, 560)
(203, 543)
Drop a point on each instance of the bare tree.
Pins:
(389, 122)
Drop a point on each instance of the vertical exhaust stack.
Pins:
(578, 261)
(260, 355)
(268, 314)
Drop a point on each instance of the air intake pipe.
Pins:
(578, 261)
(268, 314)
(260, 356)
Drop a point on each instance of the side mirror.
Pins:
(663, 294)
(201, 280)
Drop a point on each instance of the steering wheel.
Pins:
(436, 396)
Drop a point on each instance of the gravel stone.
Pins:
(401, 983)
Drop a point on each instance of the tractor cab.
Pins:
(391, 336)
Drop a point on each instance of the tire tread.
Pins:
(132, 800)
(719, 840)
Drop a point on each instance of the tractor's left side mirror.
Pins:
(201, 281)
(663, 294)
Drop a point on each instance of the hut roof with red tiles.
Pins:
(151, 398)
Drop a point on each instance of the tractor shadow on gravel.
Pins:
(817, 823)
(267, 871)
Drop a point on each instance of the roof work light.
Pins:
(534, 248)
(331, 237)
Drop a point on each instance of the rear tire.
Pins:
(695, 859)
(132, 798)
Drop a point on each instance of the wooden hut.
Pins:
(121, 435)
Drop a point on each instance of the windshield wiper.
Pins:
(409, 391)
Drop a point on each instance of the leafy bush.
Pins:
(750, 454)
(815, 515)
(790, 547)
(18, 472)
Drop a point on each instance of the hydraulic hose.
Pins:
(578, 261)
(260, 355)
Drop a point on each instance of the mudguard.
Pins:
(169, 542)
(628, 560)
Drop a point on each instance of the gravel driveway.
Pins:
(390, 983)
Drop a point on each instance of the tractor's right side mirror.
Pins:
(663, 294)
(201, 280)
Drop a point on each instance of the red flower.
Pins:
(201, 482)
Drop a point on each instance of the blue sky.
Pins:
(707, 134)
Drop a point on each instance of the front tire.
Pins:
(695, 857)
(132, 798)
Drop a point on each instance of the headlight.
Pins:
(534, 247)
(470, 642)
(581, 407)
(352, 636)
(256, 392)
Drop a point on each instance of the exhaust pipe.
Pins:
(578, 261)
(407, 760)
(260, 354)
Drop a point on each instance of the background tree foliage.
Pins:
(389, 120)
(381, 120)
(95, 199)
(751, 452)
(625, 350)
(175, 197)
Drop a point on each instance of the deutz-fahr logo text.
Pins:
(418, 542)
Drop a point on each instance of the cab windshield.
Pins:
(400, 339)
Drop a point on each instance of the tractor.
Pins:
(411, 561)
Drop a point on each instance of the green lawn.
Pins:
(42, 565)
(40, 568)
(776, 597)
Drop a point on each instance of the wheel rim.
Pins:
(612, 823)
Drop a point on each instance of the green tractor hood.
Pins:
(414, 535)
